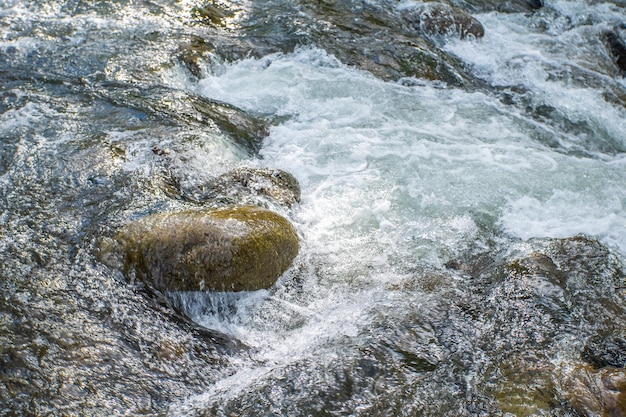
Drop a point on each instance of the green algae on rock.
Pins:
(236, 248)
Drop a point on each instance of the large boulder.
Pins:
(236, 248)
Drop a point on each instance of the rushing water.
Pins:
(422, 206)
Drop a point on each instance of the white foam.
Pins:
(425, 155)
(567, 213)
(551, 63)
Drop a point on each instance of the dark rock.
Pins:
(237, 248)
(442, 19)
(277, 184)
(368, 36)
(586, 261)
(377, 39)
(601, 352)
(534, 4)
(507, 6)
(537, 264)
(211, 13)
(616, 48)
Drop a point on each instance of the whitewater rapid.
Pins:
(431, 279)
(407, 176)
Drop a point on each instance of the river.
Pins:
(462, 236)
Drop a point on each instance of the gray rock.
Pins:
(370, 36)
(507, 6)
(435, 18)
(242, 186)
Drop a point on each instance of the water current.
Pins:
(461, 247)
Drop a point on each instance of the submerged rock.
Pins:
(597, 393)
(442, 19)
(237, 248)
(601, 352)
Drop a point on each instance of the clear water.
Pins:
(398, 179)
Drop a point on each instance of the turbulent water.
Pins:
(462, 247)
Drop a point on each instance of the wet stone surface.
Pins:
(404, 300)
(394, 49)
(605, 351)
(260, 186)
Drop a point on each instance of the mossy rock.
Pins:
(236, 248)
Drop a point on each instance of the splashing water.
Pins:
(428, 282)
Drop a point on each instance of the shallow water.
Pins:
(418, 289)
